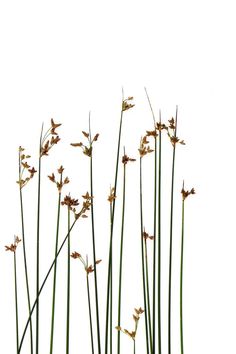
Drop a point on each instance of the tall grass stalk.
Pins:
(93, 240)
(171, 236)
(55, 271)
(148, 337)
(181, 280)
(121, 255)
(148, 294)
(68, 288)
(16, 305)
(90, 313)
(24, 254)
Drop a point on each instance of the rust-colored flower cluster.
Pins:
(126, 159)
(24, 166)
(87, 149)
(146, 236)
(61, 182)
(171, 133)
(186, 193)
(50, 138)
(88, 268)
(14, 245)
(144, 148)
(126, 104)
(71, 203)
(136, 317)
(112, 195)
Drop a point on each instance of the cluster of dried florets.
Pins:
(136, 317)
(144, 148)
(88, 268)
(126, 105)
(47, 142)
(61, 182)
(14, 245)
(87, 149)
(171, 129)
(185, 193)
(146, 236)
(112, 195)
(71, 203)
(24, 166)
(126, 159)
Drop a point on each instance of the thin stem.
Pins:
(16, 306)
(159, 246)
(93, 240)
(134, 346)
(37, 252)
(25, 259)
(111, 287)
(68, 288)
(90, 314)
(154, 252)
(171, 236)
(121, 257)
(43, 283)
(142, 251)
(148, 295)
(55, 274)
(111, 230)
(181, 282)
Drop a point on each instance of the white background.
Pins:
(62, 59)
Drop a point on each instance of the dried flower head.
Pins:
(14, 245)
(186, 193)
(112, 195)
(144, 148)
(87, 149)
(126, 159)
(49, 139)
(136, 317)
(171, 132)
(88, 268)
(126, 105)
(146, 236)
(23, 167)
(61, 182)
(161, 126)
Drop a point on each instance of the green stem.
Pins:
(111, 235)
(134, 347)
(154, 253)
(68, 288)
(181, 282)
(148, 295)
(94, 248)
(43, 284)
(16, 306)
(25, 259)
(121, 257)
(159, 247)
(37, 252)
(55, 274)
(90, 314)
(171, 236)
(142, 251)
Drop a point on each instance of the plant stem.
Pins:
(38, 253)
(142, 251)
(181, 282)
(43, 283)
(148, 296)
(121, 256)
(16, 306)
(134, 346)
(111, 232)
(90, 314)
(159, 246)
(93, 240)
(25, 259)
(68, 288)
(55, 273)
(171, 236)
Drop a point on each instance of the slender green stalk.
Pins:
(90, 314)
(37, 251)
(16, 305)
(43, 284)
(68, 288)
(148, 295)
(111, 233)
(111, 287)
(181, 282)
(25, 259)
(159, 244)
(142, 251)
(55, 273)
(171, 236)
(94, 246)
(134, 347)
(121, 256)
